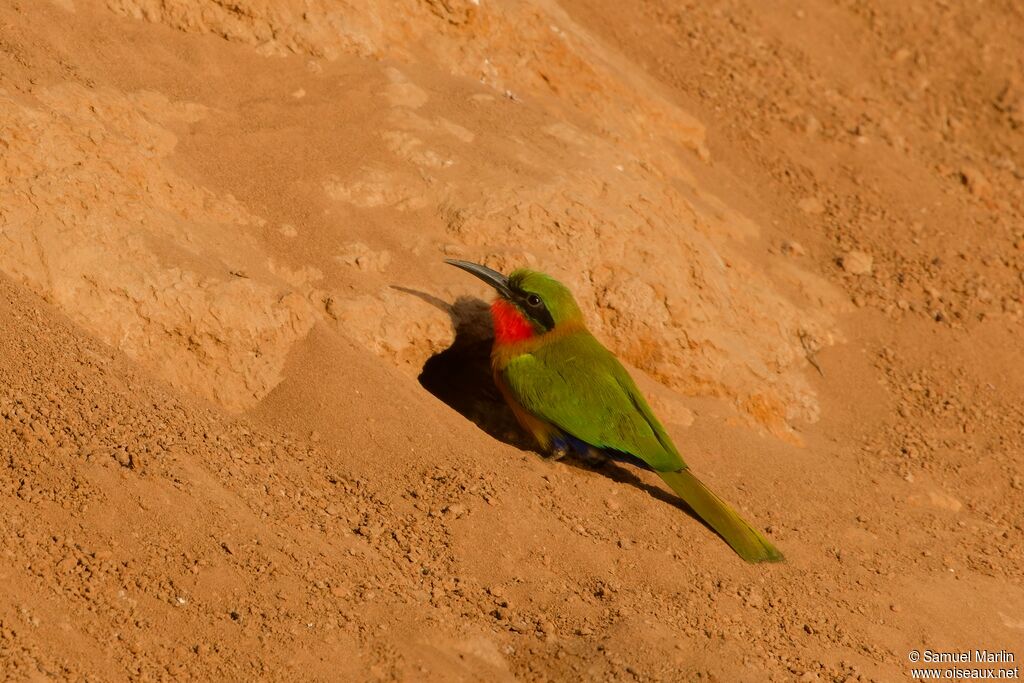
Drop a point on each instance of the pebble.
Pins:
(976, 182)
(790, 248)
(857, 263)
(812, 206)
(457, 510)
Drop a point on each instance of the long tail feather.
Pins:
(748, 543)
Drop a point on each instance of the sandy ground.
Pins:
(246, 425)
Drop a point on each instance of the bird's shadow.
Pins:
(460, 376)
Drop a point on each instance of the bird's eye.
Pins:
(533, 300)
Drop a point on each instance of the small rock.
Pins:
(122, 457)
(812, 126)
(901, 55)
(364, 258)
(793, 248)
(976, 183)
(457, 510)
(1011, 102)
(936, 499)
(812, 206)
(857, 262)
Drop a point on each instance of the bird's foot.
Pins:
(593, 457)
(556, 453)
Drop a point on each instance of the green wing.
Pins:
(577, 385)
(580, 387)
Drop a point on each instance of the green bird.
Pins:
(570, 392)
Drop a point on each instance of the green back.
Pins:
(576, 384)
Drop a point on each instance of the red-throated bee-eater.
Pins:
(570, 392)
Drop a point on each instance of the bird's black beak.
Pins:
(491, 277)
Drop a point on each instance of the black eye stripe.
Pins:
(534, 308)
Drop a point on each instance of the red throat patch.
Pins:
(509, 324)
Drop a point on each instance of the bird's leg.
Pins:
(564, 445)
(594, 457)
(557, 453)
(560, 447)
